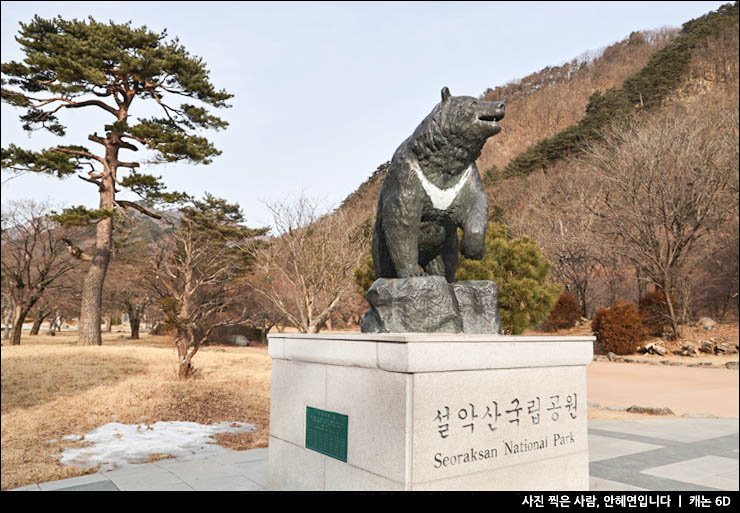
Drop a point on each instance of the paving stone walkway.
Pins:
(664, 454)
(679, 454)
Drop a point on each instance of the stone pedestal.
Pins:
(428, 412)
(431, 305)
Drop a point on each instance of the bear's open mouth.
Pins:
(489, 117)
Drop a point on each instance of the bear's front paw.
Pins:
(473, 251)
(473, 244)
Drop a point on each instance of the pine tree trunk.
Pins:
(109, 323)
(92, 288)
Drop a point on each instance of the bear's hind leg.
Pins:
(381, 255)
(400, 234)
(449, 254)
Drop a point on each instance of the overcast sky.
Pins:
(326, 91)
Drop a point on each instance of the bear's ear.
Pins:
(445, 94)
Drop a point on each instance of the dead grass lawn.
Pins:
(51, 388)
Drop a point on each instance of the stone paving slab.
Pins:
(145, 477)
(674, 429)
(87, 482)
(665, 454)
(625, 455)
(710, 471)
(604, 447)
(598, 484)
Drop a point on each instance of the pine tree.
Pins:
(525, 297)
(198, 274)
(85, 64)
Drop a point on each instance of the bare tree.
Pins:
(563, 228)
(667, 181)
(307, 269)
(126, 287)
(33, 257)
(352, 309)
(7, 311)
(261, 314)
(40, 312)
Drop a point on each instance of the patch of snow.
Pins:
(115, 445)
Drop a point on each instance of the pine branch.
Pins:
(79, 153)
(130, 204)
(75, 251)
(91, 180)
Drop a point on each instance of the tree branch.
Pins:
(96, 138)
(70, 104)
(75, 251)
(91, 180)
(131, 204)
(132, 165)
(79, 154)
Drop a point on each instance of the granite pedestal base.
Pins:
(428, 412)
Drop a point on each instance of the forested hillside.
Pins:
(622, 165)
(543, 103)
(611, 234)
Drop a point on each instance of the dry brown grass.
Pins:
(51, 388)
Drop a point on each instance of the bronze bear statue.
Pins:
(432, 188)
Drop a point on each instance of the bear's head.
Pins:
(465, 114)
(458, 128)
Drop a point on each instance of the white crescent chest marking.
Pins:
(441, 198)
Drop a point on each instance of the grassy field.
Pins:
(52, 388)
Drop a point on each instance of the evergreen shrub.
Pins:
(525, 293)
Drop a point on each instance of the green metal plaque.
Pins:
(326, 432)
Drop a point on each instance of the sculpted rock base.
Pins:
(431, 305)
(478, 301)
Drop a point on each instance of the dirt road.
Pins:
(685, 390)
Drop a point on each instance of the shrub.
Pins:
(619, 328)
(654, 311)
(525, 294)
(564, 315)
(365, 274)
